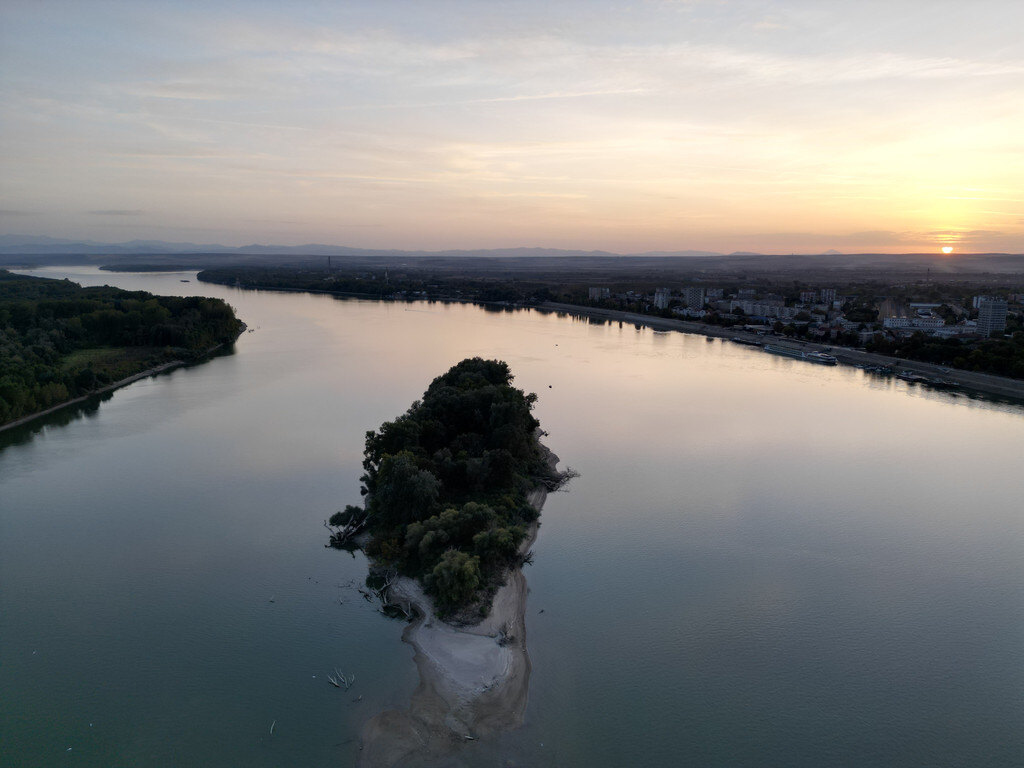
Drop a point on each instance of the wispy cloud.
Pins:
(641, 124)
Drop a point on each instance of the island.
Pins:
(453, 490)
(61, 343)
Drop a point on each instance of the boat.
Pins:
(775, 349)
(821, 358)
(748, 342)
(913, 378)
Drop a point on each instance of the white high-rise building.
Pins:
(661, 298)
(991, 315)
(694, 297)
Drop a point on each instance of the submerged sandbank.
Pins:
(474, 680)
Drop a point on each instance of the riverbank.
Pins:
(969, 381)
(474, 680)
(96, 392)
(155, 370)
(983, 383)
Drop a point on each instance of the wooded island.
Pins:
(447, 485)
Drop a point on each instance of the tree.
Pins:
(454, 579)
(403, 493)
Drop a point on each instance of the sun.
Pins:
(947, 249)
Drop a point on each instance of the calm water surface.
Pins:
(763, 563)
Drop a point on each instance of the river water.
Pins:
(763, 563)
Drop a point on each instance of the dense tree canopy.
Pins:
(59, 340)
(1003, 357)
(446, 483)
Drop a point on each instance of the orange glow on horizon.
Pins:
(947, 249)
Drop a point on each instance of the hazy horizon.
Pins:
(670, 126)
(36, 244)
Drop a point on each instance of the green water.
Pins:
(763, 563)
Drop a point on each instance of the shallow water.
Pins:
(764, 562)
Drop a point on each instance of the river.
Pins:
(763, 562)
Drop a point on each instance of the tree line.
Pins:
(59, 341)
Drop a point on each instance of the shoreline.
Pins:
(474, 680)
(154, 371)
(103, 390)
(969, 381)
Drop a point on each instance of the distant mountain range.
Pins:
(33, 251)
(36, 245)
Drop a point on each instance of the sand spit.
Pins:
(474, 680)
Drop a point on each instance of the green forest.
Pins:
(1002, 357)
(59, 341)
(397, 284)
(447, 484)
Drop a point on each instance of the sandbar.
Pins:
(474, 680)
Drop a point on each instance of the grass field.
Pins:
(117, 363)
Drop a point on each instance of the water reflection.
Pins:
(763, 562)
(88, 408)
(24, 433)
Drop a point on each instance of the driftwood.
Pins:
(384, 595)
(342, 535)
(339, 680)
(558, 480)
(503, 637)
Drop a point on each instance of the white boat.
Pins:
(748, 342)
(822, 358)
(812, 357)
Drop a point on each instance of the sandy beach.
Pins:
(474, 680)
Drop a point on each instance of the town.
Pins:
(852, 319)
(968, 321)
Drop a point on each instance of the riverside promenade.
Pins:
(998, 386)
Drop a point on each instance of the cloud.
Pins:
(189, 91)
(13, 212)
(770, 24)
(965, 237)
(116, 212)
(884, 240)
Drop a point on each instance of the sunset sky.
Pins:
(626, 126)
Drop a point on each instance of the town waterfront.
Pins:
(763, 562)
